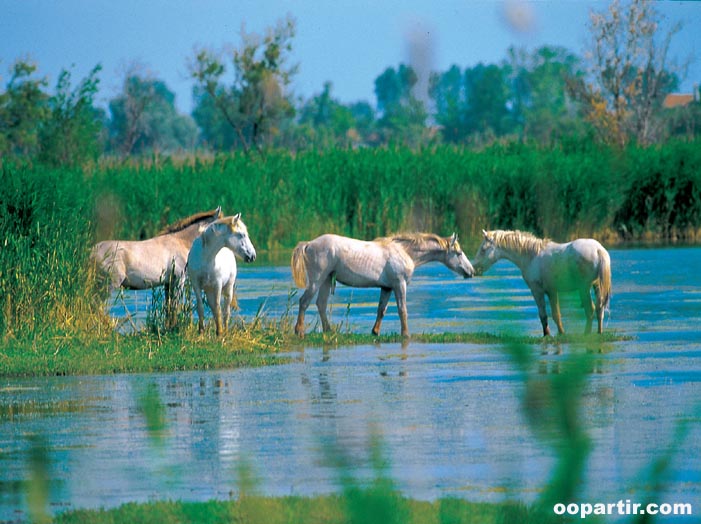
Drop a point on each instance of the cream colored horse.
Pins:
(143, 264)
(211, 266)
(387, 263)
(549, 268)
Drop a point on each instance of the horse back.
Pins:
(571, 266)
(355, 262)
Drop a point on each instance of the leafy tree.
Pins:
(72, 132)
(144, 118)
(629, 74)
(23, 108)
(327, 122)
(472, 103)
(541, 103)
(449, 95)
(488, 98)
(256, 104)
(364, 122)
(403, 115)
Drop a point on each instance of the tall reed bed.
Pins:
(559, 192)
(45, 228)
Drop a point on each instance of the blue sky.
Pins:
(348, 43)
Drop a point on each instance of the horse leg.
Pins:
(555, 309)
(304, 302)
(599, 311)
(228, 293)
(400, 295)
(542, 313)
(385, 293)
(322, 300)
(588, 306)
(214, 299)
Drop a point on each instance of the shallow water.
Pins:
(449, 416)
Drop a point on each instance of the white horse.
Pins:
(549, 267)
(211, 266)
(387, 263)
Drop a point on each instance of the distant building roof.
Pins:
(677, 100)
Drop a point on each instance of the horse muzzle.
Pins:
(250, 258)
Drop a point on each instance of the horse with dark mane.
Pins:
(144, 264)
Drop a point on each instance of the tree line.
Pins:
(547, 95)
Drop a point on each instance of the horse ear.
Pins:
(217, 212)
(453, 239)
(235, 218)
(484, 234)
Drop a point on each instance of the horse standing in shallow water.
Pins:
(387, 263)
(211, 266)
(549, 267)
(144, 264)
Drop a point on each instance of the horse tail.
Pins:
(604, 279)
(299, 265)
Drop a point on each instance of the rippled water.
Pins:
(449, 416)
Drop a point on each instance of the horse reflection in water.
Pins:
(549, 268)
(387, 263)
(211, 266)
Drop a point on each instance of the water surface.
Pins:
(449, 416)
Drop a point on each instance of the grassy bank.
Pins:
(85, 354)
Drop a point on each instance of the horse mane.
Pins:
(520, 241)
(416, 240)
(186, 222)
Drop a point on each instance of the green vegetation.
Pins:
(323, 509)
(86, 354)
(545, 169)
(50, 217)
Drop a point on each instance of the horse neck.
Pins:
(213, 242)
(519, 257)
(423, 255)
(190, 233)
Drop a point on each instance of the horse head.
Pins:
(486, 254)
(456, 260)
(238, 240)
